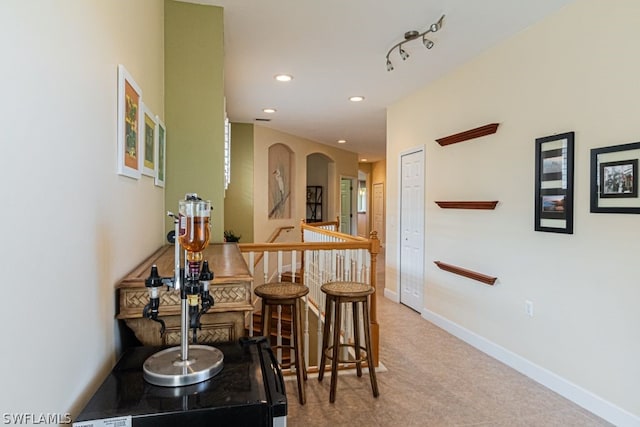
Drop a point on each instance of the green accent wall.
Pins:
(194, 107)
(238, 202)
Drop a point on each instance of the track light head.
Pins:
(435, 27)
(412, 35)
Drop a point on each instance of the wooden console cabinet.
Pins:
(230, 288)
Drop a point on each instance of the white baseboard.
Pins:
(393, 296)
(567, 389)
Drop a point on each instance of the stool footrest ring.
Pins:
(328, 354)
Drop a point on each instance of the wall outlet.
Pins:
(528, 308)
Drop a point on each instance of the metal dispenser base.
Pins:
(166, 368)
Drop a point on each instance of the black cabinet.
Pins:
(249, 391)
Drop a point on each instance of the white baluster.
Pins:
(293, 266)
(347, 266)
(354, 266)
(265, 267)
(279, 266)
(334, 260)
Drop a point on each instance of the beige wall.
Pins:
(238, 200)
(195, 107)
(345, 163)
(378, 176)
(72, 227)
(560, 75)
(378, 172)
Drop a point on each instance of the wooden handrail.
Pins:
(276, 233)
(302, 246)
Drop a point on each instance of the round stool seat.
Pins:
(281, 290)
(347, 289)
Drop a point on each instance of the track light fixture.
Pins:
(412, 35)
(427, 43)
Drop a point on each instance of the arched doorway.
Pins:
(320, 188)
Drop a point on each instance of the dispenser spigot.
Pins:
(206, 276)
(151, 310)
(205, 273)
(206, 300)
(154, 279)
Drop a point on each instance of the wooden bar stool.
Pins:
(339, 293)
(287, 294)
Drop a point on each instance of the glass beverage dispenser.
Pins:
(189, 363)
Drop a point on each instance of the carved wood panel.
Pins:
(230, 288)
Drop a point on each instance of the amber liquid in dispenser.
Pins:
(195, 236)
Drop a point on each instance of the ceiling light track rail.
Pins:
(413, 35)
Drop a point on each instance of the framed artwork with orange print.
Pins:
(130, 110)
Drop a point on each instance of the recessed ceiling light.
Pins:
(283, 77)
(357, 98)
(269, 110)
(342, 141)
(363, 160)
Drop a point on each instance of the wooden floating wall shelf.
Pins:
(467, 273)
(468, 205)
(469, 134)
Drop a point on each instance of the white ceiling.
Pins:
(336, 48)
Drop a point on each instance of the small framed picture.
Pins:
(554, 183)
(129, 119)
(614, 179)
(619, 179)
(161, 152)
(148, 132)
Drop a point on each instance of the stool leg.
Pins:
(367, 338)
(297, 341)
(266, 322)
(300, 325)
(325, 336)
(356, 337)
(336, 348)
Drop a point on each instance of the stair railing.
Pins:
(323, 256)
(326, 225)
(253, 261)
(357, 263)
